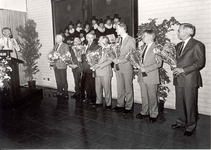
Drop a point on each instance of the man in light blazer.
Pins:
(148, 77)
(60, 68)
(103, 75)
(124, 71)
(187, 78)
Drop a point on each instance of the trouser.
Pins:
(149, 99)
(89, 83)
(61, 80)
(77, 79)
(124, 90)
(103, 83)
(186, 107)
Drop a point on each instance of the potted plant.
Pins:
(30, 46)
(160, 30)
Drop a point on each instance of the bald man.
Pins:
(60, 68)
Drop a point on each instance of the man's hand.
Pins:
(177, 71)
(142, 68)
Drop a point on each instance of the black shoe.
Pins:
(98, 105)
(86, 100)
(108, 107)
(188, 133)
(75, 95)
(126, 112)
(92, 102)
(140, 116)
(175, 126)
(117, 109)
(152, 120)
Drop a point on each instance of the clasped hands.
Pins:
(73, 66)
(177, 71)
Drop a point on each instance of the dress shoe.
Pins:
(188, 133)
(126, 112)
(98, 105)
(152, 120)
(140, 116)
(117, 109)
(86, 100)
(175, 126)
(92, 102)
(108, 107)
(75, 95)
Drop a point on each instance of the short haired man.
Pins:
(148, 77)
(60, 68)
(124, 73)
(187, 78)
(8, 42)
(103, 75)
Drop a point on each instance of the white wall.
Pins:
(17, 5)
(196, 12)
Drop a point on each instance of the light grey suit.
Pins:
(148, 84)
(103, 80)
(124, 75)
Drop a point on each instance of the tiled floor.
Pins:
(54, 123)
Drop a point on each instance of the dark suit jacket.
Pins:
(85, 65)
(191, 60)
(64, 48)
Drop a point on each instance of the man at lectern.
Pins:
(7, 42)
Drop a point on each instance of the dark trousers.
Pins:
(61, 80)
(186, 107)
(89, 83)
(77, 80)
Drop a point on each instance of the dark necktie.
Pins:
(142, 57)
(181, 48)
(120, 41)
(56, 47)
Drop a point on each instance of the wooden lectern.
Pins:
(15, 81)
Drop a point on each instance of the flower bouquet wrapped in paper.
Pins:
(134, 56)
(4, 77)
(93, 58)
(79, 50)
(67, 59)
(167, 54)
(53, 57)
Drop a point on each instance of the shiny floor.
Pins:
(54, 123)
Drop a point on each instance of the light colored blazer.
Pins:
(105, 66)
(151, 64)
(128, 44)
(64, 48)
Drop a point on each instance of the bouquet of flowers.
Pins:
(53, 57)
(79, 50)
(113, 51)
(93, 58)
(4, 77)
(134, 56)
(67, 59)
(167, 53)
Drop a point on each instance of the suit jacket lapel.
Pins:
(187, 47)
(149, 50)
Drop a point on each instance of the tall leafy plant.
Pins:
(161, 30)
(30, 46)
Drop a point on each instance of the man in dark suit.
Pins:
(187, 78)
(60, 68)
(124, 71)
(88, 79)
(148, 77)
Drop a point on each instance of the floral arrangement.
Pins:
(4, 77)
(134, 56)
(93, 57)
(79, 50)
(67, 59)
(53, 57)
(113, 51)
(167, 53)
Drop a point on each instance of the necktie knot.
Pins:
(144, 51)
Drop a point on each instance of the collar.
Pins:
(108, 26)
(124, 36)
(72, 30)
(82, 39)
(95, 26)
(101, 29)
(86, 30)
(78, 29)
(186, 41)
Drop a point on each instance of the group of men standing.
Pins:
(187, 78)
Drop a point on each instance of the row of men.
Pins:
(99, 27)
(187, 78)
